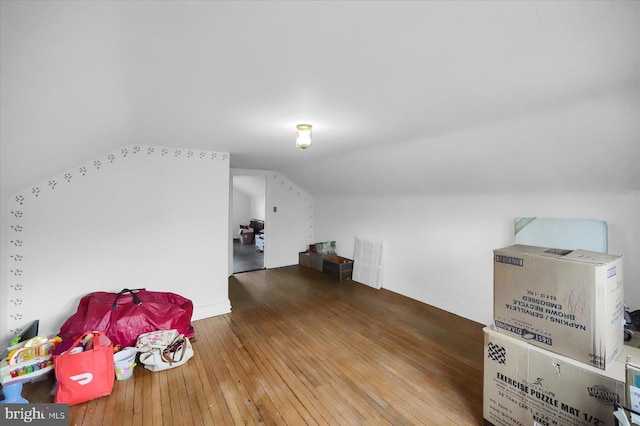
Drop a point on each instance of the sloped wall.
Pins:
(292, 221)
(441, 211)
(141, 216)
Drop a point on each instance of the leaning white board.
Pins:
(367, 262)
(569, 234)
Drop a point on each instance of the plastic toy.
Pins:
(27, 360)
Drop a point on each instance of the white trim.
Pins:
(220, 308)
(436, 300)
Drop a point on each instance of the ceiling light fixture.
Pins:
(303, 136)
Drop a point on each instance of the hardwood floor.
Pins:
(301, 348)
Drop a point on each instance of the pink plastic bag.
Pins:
(125, 315)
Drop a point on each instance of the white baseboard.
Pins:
(220, 308)
(472, 313)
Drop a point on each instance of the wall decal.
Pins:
(298, 196)
(19, 306)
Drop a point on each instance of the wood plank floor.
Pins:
(301, 348)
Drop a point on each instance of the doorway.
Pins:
(248, 222)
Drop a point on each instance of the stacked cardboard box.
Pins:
(566, 301)
(554, 355)
(527, 385)
(315, 255)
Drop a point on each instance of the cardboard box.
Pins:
(527, 385)
(313, 260)
(317, 260)
(632, 392)
(304, 259)
(338, 267)
(246, 236)
(566, 301)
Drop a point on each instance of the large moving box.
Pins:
(527, 385)
(566, 301)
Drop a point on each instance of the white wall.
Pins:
(258, 207)
(441, 212)
(254, 189)
(258, 198)
(141, 216)
(438, 249)
(289, 229)
(240, 211)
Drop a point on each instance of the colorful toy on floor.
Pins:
(27, 360)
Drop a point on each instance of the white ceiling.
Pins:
(404, 96)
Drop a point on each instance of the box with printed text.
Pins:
(525, 385)
(566, 301)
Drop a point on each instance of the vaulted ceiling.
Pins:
(404, 96)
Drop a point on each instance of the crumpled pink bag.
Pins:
(125, 315)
